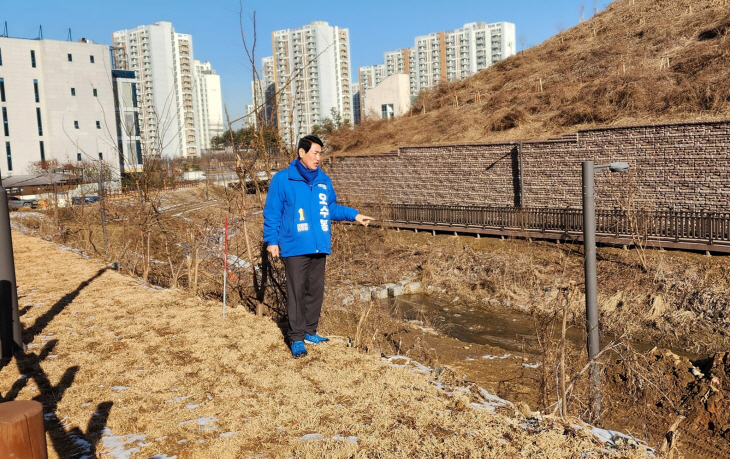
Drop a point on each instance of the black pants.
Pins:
(304, 293)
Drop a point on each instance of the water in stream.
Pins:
(511, 331)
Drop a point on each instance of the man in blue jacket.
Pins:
(300, 205)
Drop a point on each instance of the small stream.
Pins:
(511, 331)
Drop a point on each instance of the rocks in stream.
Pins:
(390, 290)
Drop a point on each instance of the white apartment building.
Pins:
(401, 61)
(443, 56)
(460, 53)
(163, 62)
(311, 72)
(56, 103)
(264, 95)
(355, 94)
(209, 103)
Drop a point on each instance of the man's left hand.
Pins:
(363, 219)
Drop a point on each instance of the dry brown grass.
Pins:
(639, 61)
(107, 351)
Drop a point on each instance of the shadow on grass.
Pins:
(74, 442)
(40, 323)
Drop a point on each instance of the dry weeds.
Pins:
(106, 351)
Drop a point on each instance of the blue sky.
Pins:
(375, 26)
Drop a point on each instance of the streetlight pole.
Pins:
(589, 248)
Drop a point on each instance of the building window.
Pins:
(139, 152)
(2, 90)
(38, 116)
(91, 59)
(98, 125)
(5, 122)
(76, 124)
(43, 152)
(70, 58)
(10, 158)
(73, 91)
(387, 111)
(35, 88)
(32, 58)
(101, 157)
(1, 57)
(95, 94)
(78, 157)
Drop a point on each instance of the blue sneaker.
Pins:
(298, 349)
(315, 339)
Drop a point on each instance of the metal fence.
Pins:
(705, 227)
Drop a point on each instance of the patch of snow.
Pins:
(237, 262)
(351, 438)
(228, 434)
(121, 446)
(119, 388)
(613, 438)
(202, 422)
(191, 406)
(311, 436)
(492, 357)
(531, 365)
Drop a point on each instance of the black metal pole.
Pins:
(10, 331)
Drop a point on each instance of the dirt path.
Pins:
(122, 367)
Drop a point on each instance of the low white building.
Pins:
(390, 98)
(57, 103)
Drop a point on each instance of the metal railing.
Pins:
(704, 227)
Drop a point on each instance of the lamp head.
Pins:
(618, 166)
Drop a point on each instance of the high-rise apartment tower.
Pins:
(311, 75)
(163, 62)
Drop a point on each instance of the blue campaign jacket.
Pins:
(297, 215)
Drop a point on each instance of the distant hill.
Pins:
(639, 61)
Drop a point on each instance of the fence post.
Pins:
(676, 226)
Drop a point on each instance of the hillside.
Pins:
(638, 61)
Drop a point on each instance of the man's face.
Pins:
(311, 158)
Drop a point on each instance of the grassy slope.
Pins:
(91, 331)
(611, 69)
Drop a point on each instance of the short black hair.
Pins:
(306, 142)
